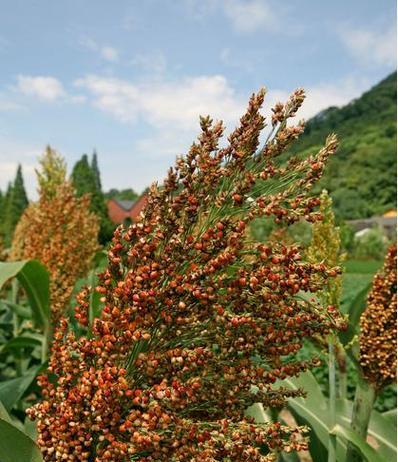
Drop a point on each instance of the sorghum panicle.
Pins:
(58, 230)
(198, 322)
(378, 337)
(325, 247)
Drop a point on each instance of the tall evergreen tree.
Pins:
(95, 170)
(16, 201)
(4, 209)
(86, 179)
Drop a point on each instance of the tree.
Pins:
(86, 180)
(127, 194)
(16, 202)
(95, 170)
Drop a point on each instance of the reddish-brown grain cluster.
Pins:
(378, 338)
(58, 230)
(198, 322)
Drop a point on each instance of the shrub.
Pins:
(372, 245)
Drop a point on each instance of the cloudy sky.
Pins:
(130, 78)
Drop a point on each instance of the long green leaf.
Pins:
(313, 411)
(12, 390)
(355, 310)
(4, 414)
(391, 416)
(15, 446)
(258, 413)
(20, 342)
(380, 428)
(35, 280)
(370, 454)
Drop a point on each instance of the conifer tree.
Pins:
(86, 180)
(95, 170)
(3, 211)
(16, 203)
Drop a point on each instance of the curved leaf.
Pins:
(391, 416)
(380, 428)
(12, 390)
(355, 310)
(35, 280)
(258, 413)
(314, 412)
(370, 454)
(21, 342)
(16, 446)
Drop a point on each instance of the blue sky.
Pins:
(130, 78)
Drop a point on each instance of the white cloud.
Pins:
(249, 15)
(106, 52)
(247, 61)
(154, 62)
(371, 47)
(45, 88)
(322, 96)
(245, 16)
(13, 153)
(178, 104)
(7, 105)
(164, 103)
(109, 53)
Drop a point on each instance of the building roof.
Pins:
(124, 204)
(121, 210)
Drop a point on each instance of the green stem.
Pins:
(332, 400)
(341, 359)
(343, 384)
(16, 326)
(365, 396)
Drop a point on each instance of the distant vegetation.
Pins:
(361, 176)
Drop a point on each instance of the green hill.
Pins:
(362, 175)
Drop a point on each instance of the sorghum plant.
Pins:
(198, 322)
(377, 345)
(58, 230)
(325, 247)
(378, 337)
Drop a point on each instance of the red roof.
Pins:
(119, 211)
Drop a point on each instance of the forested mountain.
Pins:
(362, 176)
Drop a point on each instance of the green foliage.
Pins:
(52, 172)
(264, 228)
(96, 172)
(361, 176)
(12, 205)
(86, 180)
(347, 237)
(16, 445)
(35, 280)
(357, 277)
(23, 343)
(122, 194)
(371, 245)
(314, 411)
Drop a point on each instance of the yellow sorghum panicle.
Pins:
(197, 323)
(378, 337)
(58, 230)
(325, 247)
